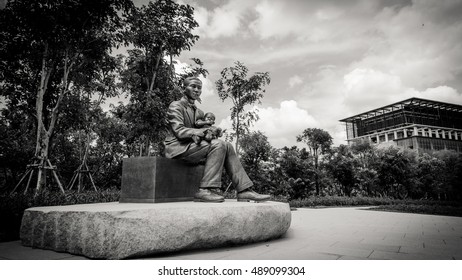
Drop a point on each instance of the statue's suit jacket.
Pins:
(181, 118)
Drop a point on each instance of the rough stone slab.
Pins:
(158, 179)
(123, 230)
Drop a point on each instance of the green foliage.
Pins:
(360, 170)
(342, 165)
(329, 201)
(324, 201)
(162, 29)
(396, 170)
(242, 90)
(50, 52)
(319, 142)
(445, 210)
(256, 157)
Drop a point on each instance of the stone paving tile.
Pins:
(353, 252)
(381, 255)
(199, 255)
(446, 254)
(453, 243)
(368, 246)
(442, 252)
(302, 254)
(383, 241)
(394, 235)
(74, 258)
(437, 236)
(350, 258)
(15, 251)
(412, 242)
(433, 242)
(298, 255)
(413, 235)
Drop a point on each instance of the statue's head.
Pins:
(209, 117)
(192, 88)
(188, 80)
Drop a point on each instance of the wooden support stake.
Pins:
(20, 181)
(56, 176)
(91, 179)
(28, 181)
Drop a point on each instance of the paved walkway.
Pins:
(325, 234)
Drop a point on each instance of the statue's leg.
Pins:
(196, 153)
(214, 165)
(213, 154)
(233, 167)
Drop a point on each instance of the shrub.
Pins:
(323, 201)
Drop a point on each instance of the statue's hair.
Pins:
(188, 80)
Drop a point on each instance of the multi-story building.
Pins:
(415, 123)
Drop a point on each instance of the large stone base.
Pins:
(122, 230)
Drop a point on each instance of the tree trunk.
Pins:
(43, 134)
(238, 124)
(154, 72)
(316, 176)
(237, 136)
(44, 78)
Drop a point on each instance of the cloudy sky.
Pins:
(329, 59)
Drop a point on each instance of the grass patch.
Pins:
(444, 210)
(433, 207)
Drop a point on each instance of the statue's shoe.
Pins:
(252, 196)
(206, 195)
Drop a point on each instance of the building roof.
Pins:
(400, 105)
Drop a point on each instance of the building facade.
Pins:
(415, 123)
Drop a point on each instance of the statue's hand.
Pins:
(200, 132)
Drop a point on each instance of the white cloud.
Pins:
(419, 43)
(283, 124)
(295, 80)
(441, 93)
(222, 21)
(367, 89)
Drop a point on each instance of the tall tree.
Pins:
(319, 142)
(43, 45)
(295, 170)
(342, 166)
(396, 171)
(256, 153)
(91, 91)
(242, 90)
(159, 31)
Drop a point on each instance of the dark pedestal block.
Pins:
(157, 179)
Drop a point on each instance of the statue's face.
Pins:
(193, 90)
(210, 118)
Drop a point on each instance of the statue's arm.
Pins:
(201, 123)
(176, 120)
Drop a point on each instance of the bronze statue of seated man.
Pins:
(182, 116)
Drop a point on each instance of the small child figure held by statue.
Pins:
(212, 132)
